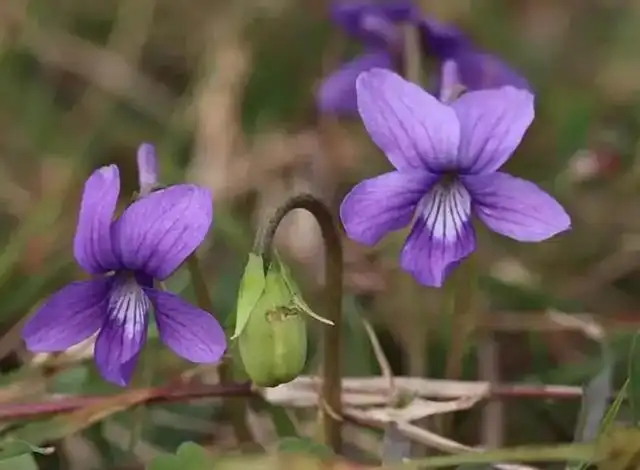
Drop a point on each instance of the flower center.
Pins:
(446, 208)
(127, 302)
(448, 179)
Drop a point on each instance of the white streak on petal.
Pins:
(128, 302)
(124, 332)
(445, 210)
(442, 234)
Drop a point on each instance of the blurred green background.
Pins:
(226, 92)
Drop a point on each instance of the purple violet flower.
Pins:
(148, 242)
(477, 70)
(446, 159)
(377, 25)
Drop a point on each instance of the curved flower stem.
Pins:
(234, 408)
(331, 372)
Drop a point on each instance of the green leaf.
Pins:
(251, 287)
(14, 448)
(614, 409)
(22, 462)
(194, 457)
(190, 456)
(304, 445)
(298, 301)
(634, 379)
(71, 381)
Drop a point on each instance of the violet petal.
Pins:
(492, 125)
(190, 332)
(450, 83)
(355, 18)
(516, 208)
(443, 40)
(414, 129)
(68, 317)
(147, 168)
(123, 333)
(480, 71)
(337, 93)
(156, 233)
(382, 204)
(441, 237)
(92, 245)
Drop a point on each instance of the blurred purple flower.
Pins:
(377, 25)
(446, 158)
(148, 242)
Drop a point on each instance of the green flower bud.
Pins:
(270, 325)
(273, 346)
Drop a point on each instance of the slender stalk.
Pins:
(170, 394)
(412, 54)
(143, 380)
(561, 453)
(331, 369)
(234, 408)
(460, 293)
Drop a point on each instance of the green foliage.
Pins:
(22, 462)
(10, 449)
(189, 456)
(634, 379)
(304, 445)
(251, 288)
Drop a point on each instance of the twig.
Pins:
(105, 69)
(301, 393)
(432, 440)
(590, 328)
(363, 391)
(492, 421)
(17, 411)
(541, 321)
(381, 358)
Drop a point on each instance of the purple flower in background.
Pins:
(148, 242)
(476, 70)
(377, 25)
(446, 159)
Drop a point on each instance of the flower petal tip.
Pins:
(92, 244)
(517, 208)
(368, 78)
(189, 331)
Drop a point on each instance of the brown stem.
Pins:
(331, 409)
(18, 411)
(180, 393)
